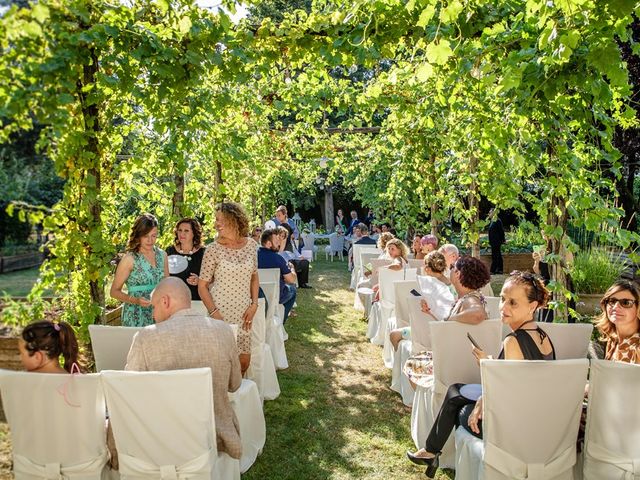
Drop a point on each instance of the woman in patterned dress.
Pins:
(141, 269)
(619, 324)
(228, 283)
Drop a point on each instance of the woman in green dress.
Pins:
(141, 269)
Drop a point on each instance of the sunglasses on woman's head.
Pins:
(624, 302)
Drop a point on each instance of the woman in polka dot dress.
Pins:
(228, 284)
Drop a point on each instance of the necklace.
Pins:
(188, 254)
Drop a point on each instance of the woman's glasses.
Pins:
(624, 302)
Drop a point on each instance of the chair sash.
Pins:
(56, 471)
(514, 468)
(200, 465)
(630, 466)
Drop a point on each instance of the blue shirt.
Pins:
(270, 259)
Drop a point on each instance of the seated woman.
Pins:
(397, 251)
(619, 323)
(434, 266)
(42, 343)
(382, 243)
(416, 247)
(428, 243)
(522, 294)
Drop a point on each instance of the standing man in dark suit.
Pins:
(354, 222)
(496, 239)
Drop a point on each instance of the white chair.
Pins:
(262, 370)
(570, 340)
(275, 333)
(453, 362)
(111, 345)
(417, 264)
(309, 244)
(355, 252)
(335, 247)
(612, 436)
(57, 425)
(492, 307)
(366, 258)
(487, 291)
(154, 444)
(386, 304)
(247, 406)
(400, 317)
(399, 381)
(419, 323)
(531, 413)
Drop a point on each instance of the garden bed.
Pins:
(512, 261)
(20, 262)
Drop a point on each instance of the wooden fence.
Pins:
(20, 262)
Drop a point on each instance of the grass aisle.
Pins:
(336, 418)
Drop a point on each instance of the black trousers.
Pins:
(302, 270)
(496, 258)
(454, 409)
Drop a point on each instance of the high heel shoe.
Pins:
(432, 463)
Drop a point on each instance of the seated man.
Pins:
(361, 237)
(301, 265)
(268, 258)
(183, 338)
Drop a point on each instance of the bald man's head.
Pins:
(169, 296)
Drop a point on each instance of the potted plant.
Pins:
(593, 272)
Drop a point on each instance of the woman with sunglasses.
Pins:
(619, 323)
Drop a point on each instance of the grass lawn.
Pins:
(337, 417)
(18, 284)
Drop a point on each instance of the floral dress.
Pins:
(229, 272)
(142, 280)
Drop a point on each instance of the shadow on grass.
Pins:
(336, 416)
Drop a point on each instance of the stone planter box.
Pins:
(113, 317)
(589, 303)
(512, 261)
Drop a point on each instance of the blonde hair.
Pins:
(234, 212)
(384, 239)
(404, 250)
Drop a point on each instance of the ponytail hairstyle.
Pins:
(54, 339)
(533, 286)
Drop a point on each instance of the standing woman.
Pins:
(185, 255)
(228, 283)
(141, 269)
(340, 220)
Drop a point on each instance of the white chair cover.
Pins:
(198, 306)
(387, 298)
(247, 406)
(530, 420)
(419, 323)
(262, 370)
(154, 444)
(452, 363)
(416, 263)
(399, 381)
(492, 307)
(570, 340)
(612, 437)
(111, 345)
(366, 257)
(487, 291)
(274, 331)
(400, 318)
(57, 425)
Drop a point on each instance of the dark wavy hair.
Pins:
(533, 285)
(603, 324)
(196, 228)
(54, 339)
(234, 212)
(473, 273)
(143, 225)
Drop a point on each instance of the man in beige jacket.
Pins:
(183, 338)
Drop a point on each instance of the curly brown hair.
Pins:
(383, 239)
(196, 228)
(234, 213)
(473, 273)
(533, 285)
(435, 262)
(143, 225)
(404, 250)
(603, 324)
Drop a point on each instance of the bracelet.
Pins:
(254, 302)
(211, 312)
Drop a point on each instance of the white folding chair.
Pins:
(111, 345)
(275, 333)
(492, 307)
(612, 436)
(262, 370)
(163, 425)
(247, 406)
(335, 247)
(531, 414)
(57, 425)
(309, 244)
(453, 362)
(570, 340)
